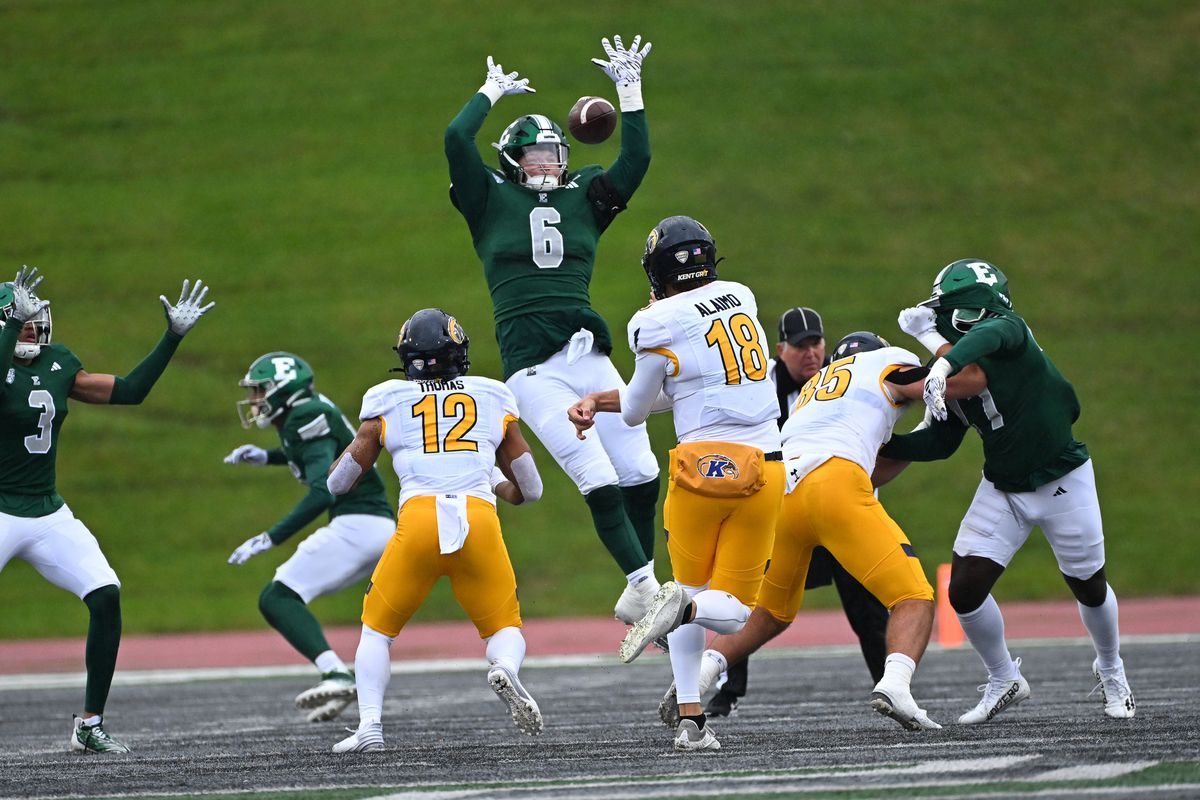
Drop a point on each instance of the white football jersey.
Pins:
(846, 411)
(717, 372)
(442, 435)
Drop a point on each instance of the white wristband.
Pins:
(941, 368)
(492, 91)
(498, 477)
(629, 96)
(932, 340)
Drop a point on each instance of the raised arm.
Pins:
(18, 305)
(133, 388)
(624, 67)
(468, 175)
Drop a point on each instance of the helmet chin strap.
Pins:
(27, 350)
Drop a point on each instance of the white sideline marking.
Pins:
(149, 677)
(1093, 772)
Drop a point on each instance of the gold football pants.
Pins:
(480, 573)
(835, 507)
(724, 542)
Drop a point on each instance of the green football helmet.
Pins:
(967, 291)
(43, 325)
(538, 136)
(274, 383)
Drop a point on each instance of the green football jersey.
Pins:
(1024, 416)
(33, 407)
(313, 435)
(538, 248)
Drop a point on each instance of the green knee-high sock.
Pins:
(615, 529)
(103, 640)
(641, 503)
(288, 614)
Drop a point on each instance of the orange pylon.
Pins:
(949, 631)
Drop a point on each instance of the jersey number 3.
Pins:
(40, 442)
(458, 407)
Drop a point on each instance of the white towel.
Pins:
(799, 467)
(451, 522)
(580, 345)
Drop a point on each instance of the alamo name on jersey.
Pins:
(717, 370)
(442, 434)
(844, 411)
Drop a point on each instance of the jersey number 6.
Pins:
(547, 241)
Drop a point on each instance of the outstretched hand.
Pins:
(497, 83)
(184, 315)
(251, 547)
(623, 66)
(25, 304)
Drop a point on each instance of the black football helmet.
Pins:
(858, 342)
(433, 346)
(679, 249)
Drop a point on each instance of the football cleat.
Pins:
(997, 696)
(94, 739)
(367, 739)
(635, 601)
(329, 710)
(690, 738)
(524, 709)
(336, 685)
(897, 702)
(1114, 689)
(664, 615)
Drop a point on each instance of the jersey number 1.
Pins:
(457, 406)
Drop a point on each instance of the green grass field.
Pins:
(290, 154)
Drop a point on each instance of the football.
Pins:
(592, 119)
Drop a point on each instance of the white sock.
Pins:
(642, 574)
(687, 648)
(329, 662)
(720, 611)
(898, 668)
(372, 671)
(506, 648)
(1101, 624)
(985, 628)
(93, 720)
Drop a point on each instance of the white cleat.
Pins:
(524, 709)
(1114, 689)
(897, 702)
(997, 696)
(336, 685)
(367, 739)
(664, 615)
(668, 707)
(691, 739)
(635, 601)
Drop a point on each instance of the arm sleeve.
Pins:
(317, 456)
(627, 171)
(468, 175)
(132, 389)
(645, 390)
(276, 457)
(934, 443)
(984, 339)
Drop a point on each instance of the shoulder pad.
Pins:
(315, 429)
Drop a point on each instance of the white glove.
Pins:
(624, 67)
(25, 304)
(498, 83)
(919, 323)
(188, 311)
(934, 392)
(247, 454)
(251, 547)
